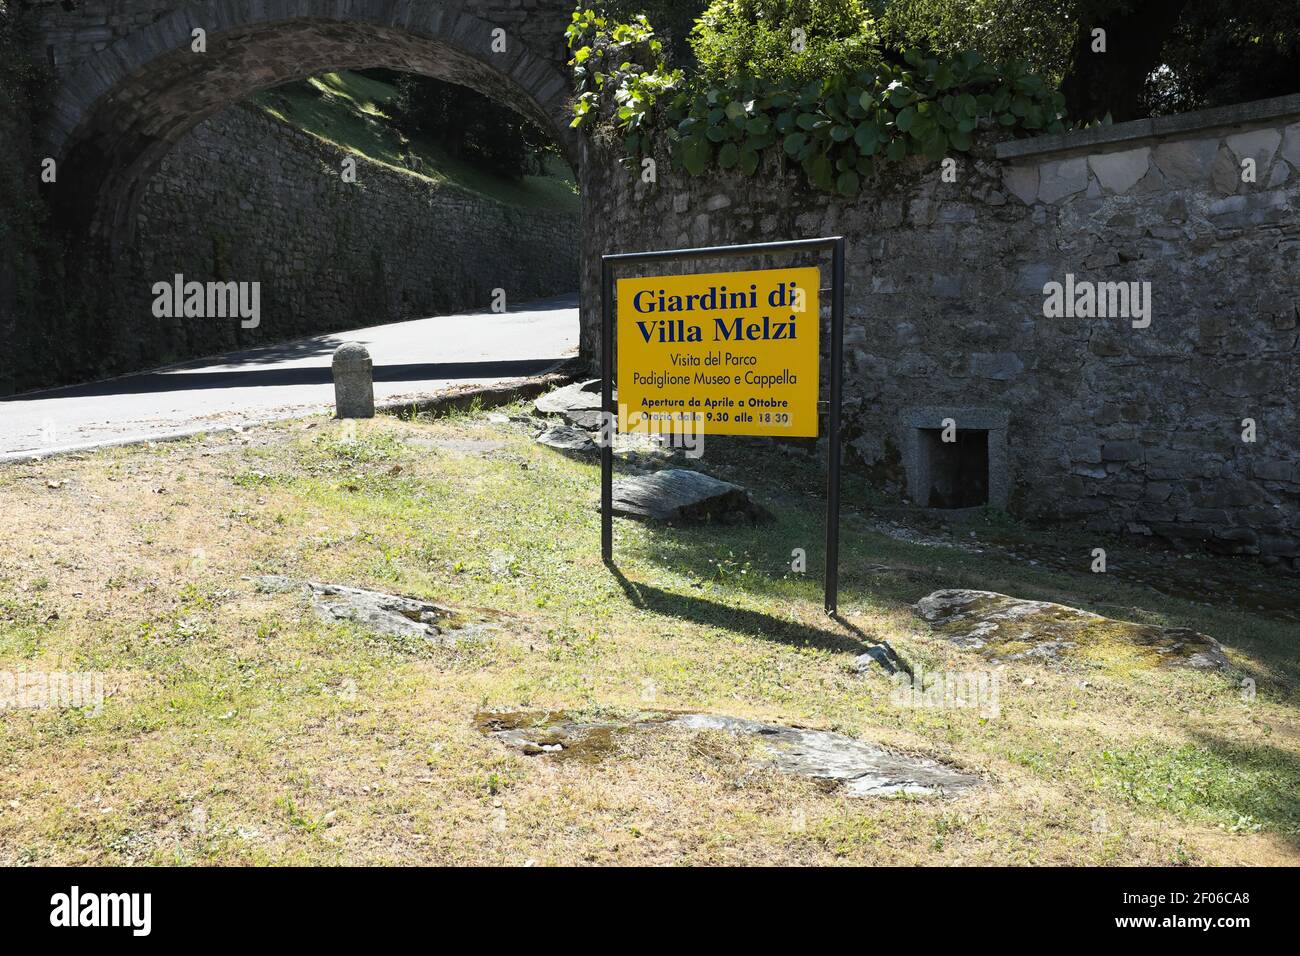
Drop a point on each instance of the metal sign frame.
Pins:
(607, 265)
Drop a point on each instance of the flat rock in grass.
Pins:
(388, 614)
(859, 769)
(678, 494)
(1007, 629)
(385, 613)
(551, 732)
(567, 439)
(579, 395)
(579, 403)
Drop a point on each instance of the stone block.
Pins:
(1291, 145)
(1032, 277)
(999, 366)
(1121, 451)
(1226, 174)
(947, 286)
(1281, 545)
(1251, 209)
(1119, 172)
(1187, 162)
(1257, 144)
(1021, 182)
(354, 388)
(1177, 531)
(1158, 490)
(1062, 178)
(1288, 471)
(1090, 471)
(1242, 379)
(1235, 541)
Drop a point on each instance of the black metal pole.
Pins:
(833, 469)
(607, 406)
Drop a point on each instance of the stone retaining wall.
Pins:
(247, 198)
(1108, 426)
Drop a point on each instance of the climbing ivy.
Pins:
(839, 129)
(619, 60)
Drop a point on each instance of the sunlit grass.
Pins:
(351, 110)
(241, 728)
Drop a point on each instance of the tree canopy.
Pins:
(1155, 56)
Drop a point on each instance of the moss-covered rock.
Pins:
(1006, 628)
(856, 767)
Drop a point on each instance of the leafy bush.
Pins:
(673, 19)
(1039, 32)
(796, 40)
(839, 128)
(620, 67)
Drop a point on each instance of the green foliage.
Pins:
(794, 40)
(839, 129)
(356, 111)
(1240, 789)
(618, 66)
(1039, 32)
(1224, 51)
(842, 128)
(673, 22)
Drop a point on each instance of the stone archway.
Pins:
(120, 110)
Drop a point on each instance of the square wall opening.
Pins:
(958, 470)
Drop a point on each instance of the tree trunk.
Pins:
(1112, 82)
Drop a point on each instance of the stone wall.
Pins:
(245, 197)
(143, 192)
(1099, 424)
(128, 85)
(72, 32)
(22, 240)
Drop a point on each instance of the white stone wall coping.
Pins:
(1127, 135)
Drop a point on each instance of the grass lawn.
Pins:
(241, 729)
(349, 110)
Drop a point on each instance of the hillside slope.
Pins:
(353, 111)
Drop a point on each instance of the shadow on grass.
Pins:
(1260, 783)
(889, 574)
(753, 623)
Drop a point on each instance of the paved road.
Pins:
(411, 359)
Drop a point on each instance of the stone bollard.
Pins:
(354, 382)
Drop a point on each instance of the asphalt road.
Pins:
(412, 359)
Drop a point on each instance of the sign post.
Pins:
(752, 332)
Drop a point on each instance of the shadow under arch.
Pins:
(123, 109)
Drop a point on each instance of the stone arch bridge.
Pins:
(129, 84)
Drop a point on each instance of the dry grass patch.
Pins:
(242, 729)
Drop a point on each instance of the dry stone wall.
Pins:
(247, 198)
(1104, 422)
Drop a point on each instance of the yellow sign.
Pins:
(732, 353)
